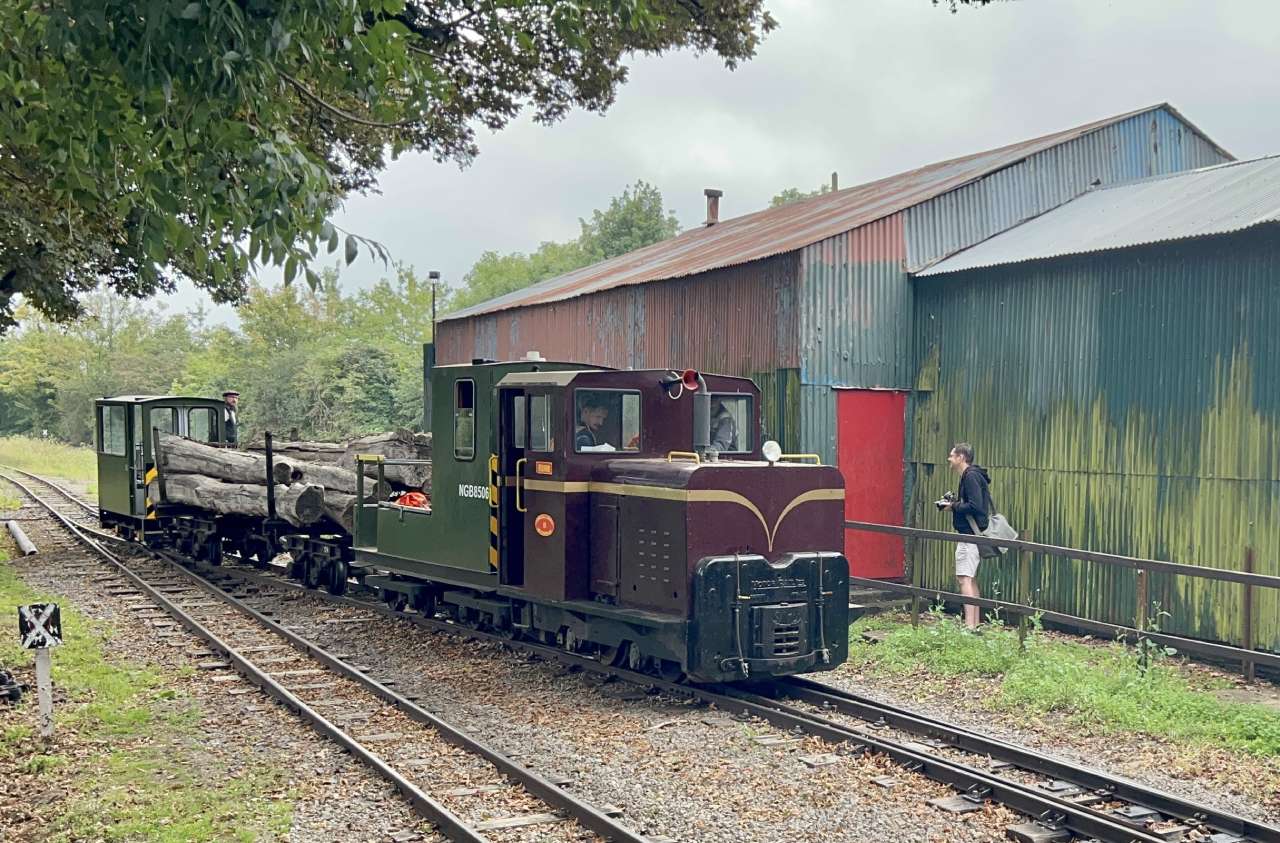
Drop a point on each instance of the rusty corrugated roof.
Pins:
(790, 227)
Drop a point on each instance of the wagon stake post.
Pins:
(40, 629)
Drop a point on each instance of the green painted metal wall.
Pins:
(1126, 402)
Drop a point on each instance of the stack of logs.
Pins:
(313, 479)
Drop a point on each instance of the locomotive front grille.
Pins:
(780, 631)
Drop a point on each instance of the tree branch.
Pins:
(338, 112)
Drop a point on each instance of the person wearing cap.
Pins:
(230, 399)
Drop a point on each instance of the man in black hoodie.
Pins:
(968, 511)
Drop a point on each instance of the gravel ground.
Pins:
(1238, 782)
(333, 796)
(675, 768)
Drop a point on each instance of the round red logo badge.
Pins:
(544, 525)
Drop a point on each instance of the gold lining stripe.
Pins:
(687, 496)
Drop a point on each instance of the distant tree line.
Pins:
(324, 362)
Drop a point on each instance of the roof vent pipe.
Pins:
(713, 205)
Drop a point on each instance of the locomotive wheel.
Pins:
(613, 656)
(336, 581)
(669, 671)
(396, 600)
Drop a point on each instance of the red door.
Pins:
(870, 426)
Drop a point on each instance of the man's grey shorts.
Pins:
(967, 559)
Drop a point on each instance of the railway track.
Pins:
(1062, 801)
(468, 790)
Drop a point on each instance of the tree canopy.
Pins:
(795, 194)
(635, 219)
(141, 141)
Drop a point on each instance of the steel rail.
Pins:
(1086, 778)
(1051, 810)
(449, 823)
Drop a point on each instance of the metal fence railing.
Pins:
(1246, 654)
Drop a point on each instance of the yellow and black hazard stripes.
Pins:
(150, 477)
(493, 511)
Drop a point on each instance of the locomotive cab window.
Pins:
(464, 419)
(606, 420)
(731, 423)
(111, 435)
(518, 421)
(201, 425)
(164, 419)
(540, 436)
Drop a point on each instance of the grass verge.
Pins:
(50, 458)
(127, 748)
(1099, 686)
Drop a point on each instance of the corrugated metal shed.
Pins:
(1214, 200)
(1124, 401)
(792, 227)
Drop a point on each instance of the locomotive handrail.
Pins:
(688, 455)
(817, 458)
(520, 507)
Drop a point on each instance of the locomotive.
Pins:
(634, 516)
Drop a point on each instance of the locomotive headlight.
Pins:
(772, 451)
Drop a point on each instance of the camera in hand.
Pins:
(949, 497)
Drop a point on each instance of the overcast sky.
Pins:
(867, 88)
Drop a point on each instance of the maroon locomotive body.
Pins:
(633, 515)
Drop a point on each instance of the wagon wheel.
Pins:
(260, 551)
(211, 551)
(313, 573)
(298, 567)
(336, 581)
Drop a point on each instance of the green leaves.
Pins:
(186, 138)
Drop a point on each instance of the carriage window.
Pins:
(607, 420)
(164, 419)
(518, 421)
(731, 422)
(111, 436)
(464, 419)
(201, 424)
(540, 438)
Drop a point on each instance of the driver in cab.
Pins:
(590, 434)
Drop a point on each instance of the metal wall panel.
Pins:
(855, 308)
(1148, 144)
(1127, 402)
(817, 422)
(736, 321)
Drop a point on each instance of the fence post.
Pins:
(1141, 620)
(915, 581)
(1024, 590)
(1246, 618)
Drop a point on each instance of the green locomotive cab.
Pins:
(125, 440)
